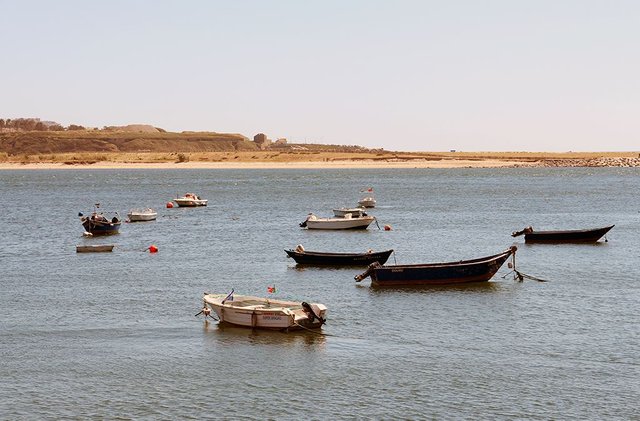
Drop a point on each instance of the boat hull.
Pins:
(191, 203)
(339, 223)
(262, 313)
(102, 248)
(141, 216)
(100, 227)
(568, 236)
(367, 202)
(338, 259)
(451, 273)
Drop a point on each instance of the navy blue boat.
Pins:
(450, 273)
(318, 258)
(566, 236)
(98, 224)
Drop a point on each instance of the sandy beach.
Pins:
(265, 165)
(323, 160)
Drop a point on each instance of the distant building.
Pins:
(280, 142)
(261, 140)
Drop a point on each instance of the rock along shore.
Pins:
(592, 162)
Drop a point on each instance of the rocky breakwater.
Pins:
(591, 162)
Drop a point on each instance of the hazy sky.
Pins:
(403, 75)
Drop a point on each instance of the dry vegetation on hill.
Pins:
(110, 145)
(47, 142)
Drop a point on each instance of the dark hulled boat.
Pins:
(98, 224)
(303, 257)
(566, 236)
(450, 273)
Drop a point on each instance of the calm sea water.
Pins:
(114, 335)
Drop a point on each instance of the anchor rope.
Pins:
(312, 331)
(521, 276)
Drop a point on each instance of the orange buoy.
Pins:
(387, 227)
(153, 249)
(169, 205)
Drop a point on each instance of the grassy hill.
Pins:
(50, 142)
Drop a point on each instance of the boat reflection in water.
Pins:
(231, 335)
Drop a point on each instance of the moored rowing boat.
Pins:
(449, 273)
(591, 235)
(98, 248)
(318, 258)
(265, 313)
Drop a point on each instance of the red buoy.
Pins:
(169, 205)
(387, 227)
(153, 249)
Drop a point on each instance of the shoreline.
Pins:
(327, 160)
(346, 164)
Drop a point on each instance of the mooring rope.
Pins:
(524, 275)
(521, 276)
(207, 313)
(312, 331)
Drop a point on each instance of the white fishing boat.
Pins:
(344, 223)
(136, 215)
(367, 201)
(341, 212)
(190, 200)
(265, 313)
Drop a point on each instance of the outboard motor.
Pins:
(311, 314)
(367, 272)
(527, 230)
(304, 223)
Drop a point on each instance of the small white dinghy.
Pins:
(138, 215)
(98, 248)
(345, 223)
(265, 313)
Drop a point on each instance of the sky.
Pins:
(483, 75)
